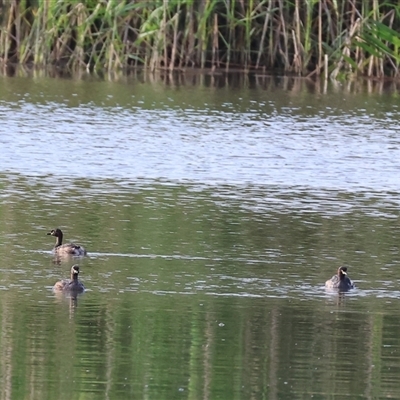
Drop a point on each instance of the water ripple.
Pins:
(341, 152)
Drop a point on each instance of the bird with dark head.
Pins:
(68, 249)
(340, 281)
(72, 285)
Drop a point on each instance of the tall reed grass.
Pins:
(301, 37)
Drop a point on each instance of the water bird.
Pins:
(70, 249)
(72, 285)
(340, 281)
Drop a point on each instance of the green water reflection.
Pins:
(197, 294)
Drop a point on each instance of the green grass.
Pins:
(292, 37)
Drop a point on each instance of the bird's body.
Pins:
(72, 285)
(68, 249)
(340, 281)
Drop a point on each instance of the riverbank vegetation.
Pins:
(333, 38)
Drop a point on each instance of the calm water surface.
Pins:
(213, 210)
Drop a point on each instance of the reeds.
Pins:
(301, 37)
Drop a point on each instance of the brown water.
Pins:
(213, 213)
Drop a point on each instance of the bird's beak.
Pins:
(344, 272)
(48, 233)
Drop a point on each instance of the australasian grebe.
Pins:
(72, 285)
(340, 281)
(71, 249)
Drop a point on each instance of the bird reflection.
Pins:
(71, 297)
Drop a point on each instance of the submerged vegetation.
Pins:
(302, 37)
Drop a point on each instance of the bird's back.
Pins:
(342, 284)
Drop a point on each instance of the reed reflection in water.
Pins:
(197, 293)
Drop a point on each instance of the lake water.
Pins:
(213, 209)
